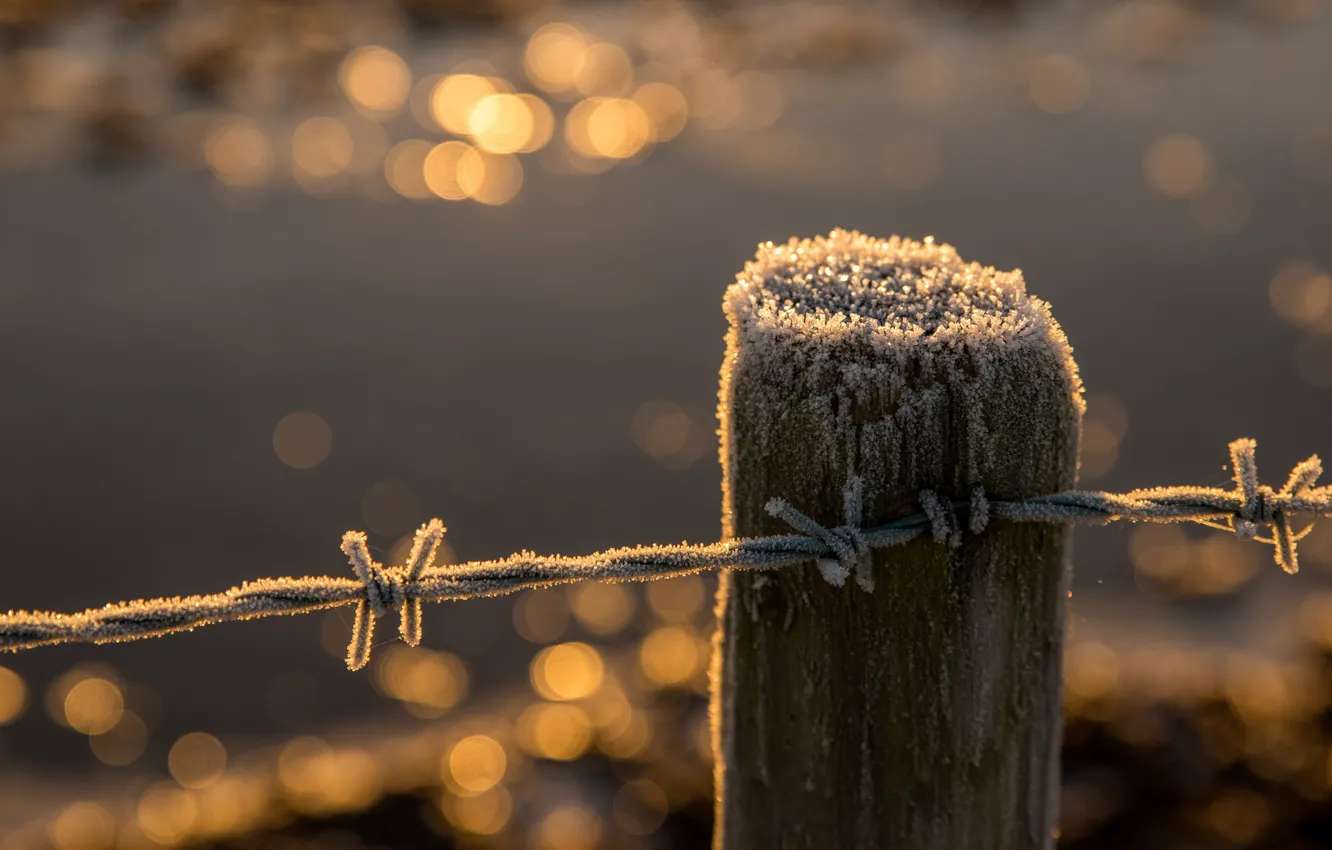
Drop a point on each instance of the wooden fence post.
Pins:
(924, 714)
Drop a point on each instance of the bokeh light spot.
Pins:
(676, 600)
(13, 696)
(1059, 84)
(480, 814)
(427, 683)
(543, 123)
(558, 731)
(302, 440)
(1239, 816)
(667, 434)
(197, 760)
(475, 765)
(321, 147)
(1103, 427)
(639, 807)
(555, 57)
(612, 128)
(454, 98)
(239, 153)
(541, 616)
(166, 814)
(669, 656)
(320, 779)
(123, 744)
(94, 706)
(760, 100)
(629, 739)
(440, 170)
(1301, 293)
(405, 169)
(666, 108)
(501, 123)
(602, 608)
(570, 827)
(58, 80)
(1178, 166)
(489, 178)
(83, 826)
(567, 671)
(1175, 564)
(714, 100)
(376, 80)
(606, 70)
(1091, 670)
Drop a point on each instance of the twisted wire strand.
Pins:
(840, 552)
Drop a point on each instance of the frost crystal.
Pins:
(889, 294)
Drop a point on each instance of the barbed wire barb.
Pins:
(840, 553)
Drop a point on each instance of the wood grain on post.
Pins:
(924, 714)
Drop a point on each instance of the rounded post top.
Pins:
(895, 289)
(871, 298)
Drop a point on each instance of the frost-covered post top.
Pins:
(885, 297)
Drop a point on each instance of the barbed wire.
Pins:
(378, 590)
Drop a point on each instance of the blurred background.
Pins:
(274, 270)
